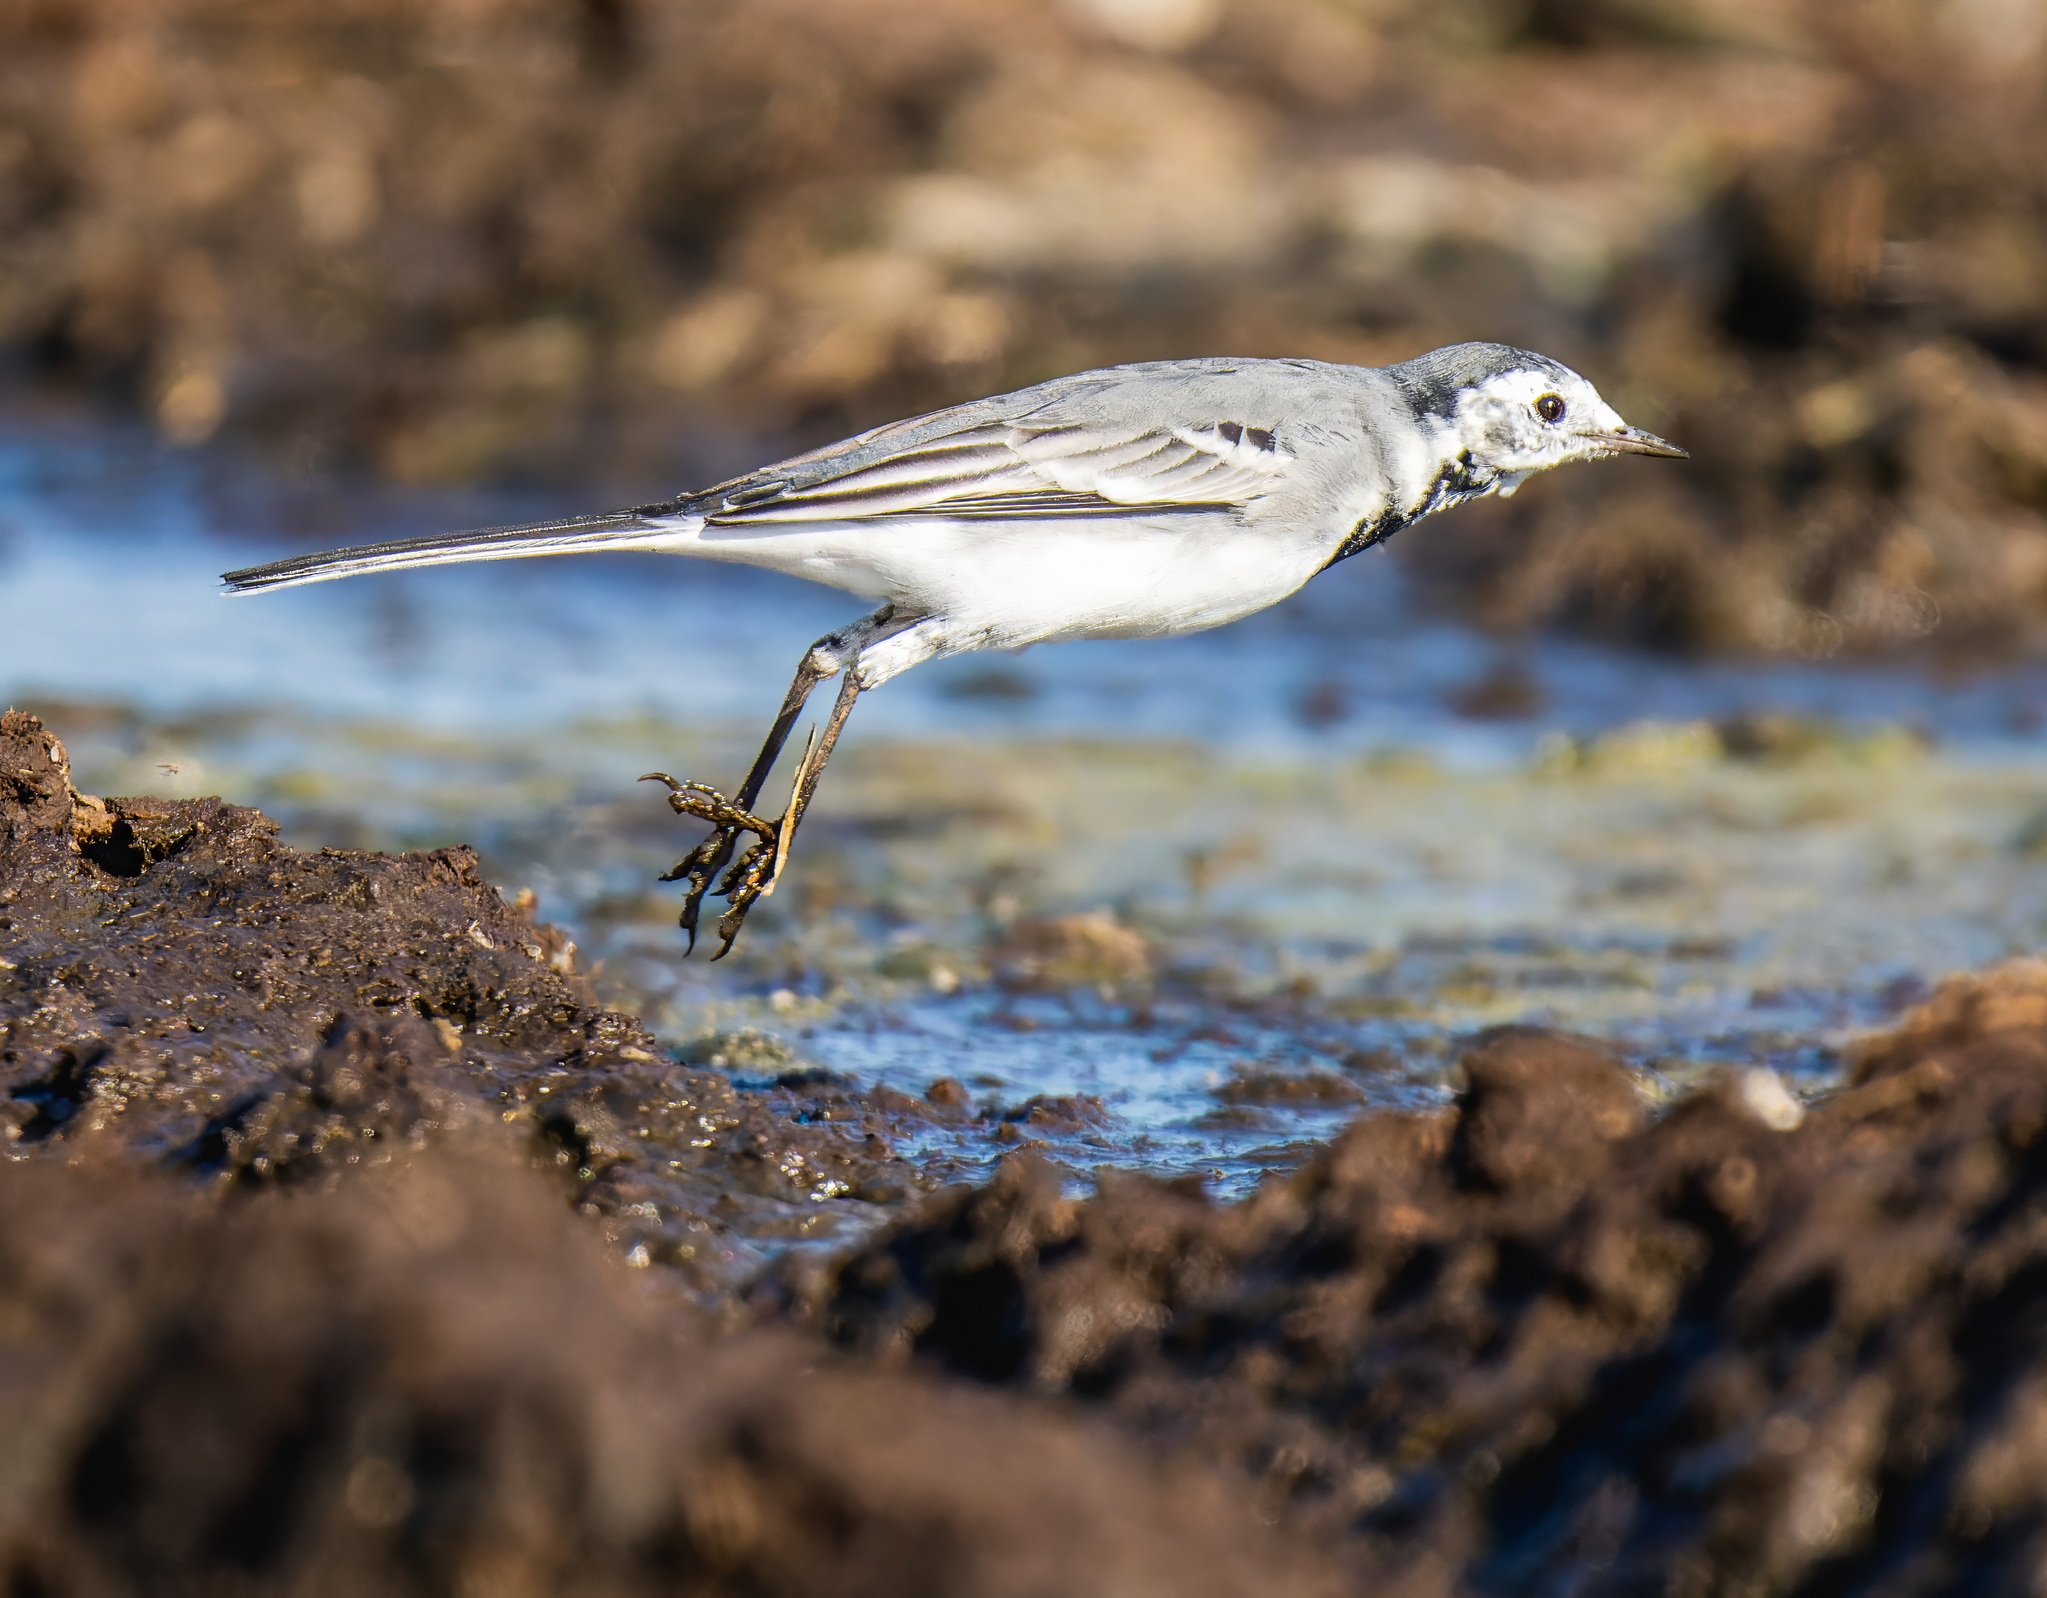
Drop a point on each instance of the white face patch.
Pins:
(1528, 421)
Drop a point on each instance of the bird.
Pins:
(1135, 501)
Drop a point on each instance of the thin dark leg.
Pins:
(759, 868)
(813, 763)
(808, 676)
(700, 867)
(729, 818)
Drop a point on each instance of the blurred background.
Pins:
(447, 241)
(1724, 757)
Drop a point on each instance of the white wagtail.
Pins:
(1133, 502)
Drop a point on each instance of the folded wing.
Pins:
(1008, 470)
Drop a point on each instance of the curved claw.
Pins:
(749, 880)
(700, 867)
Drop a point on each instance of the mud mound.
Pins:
(430, 1379)
(178, 988)
(1545, 1344)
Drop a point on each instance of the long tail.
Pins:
(645, 527)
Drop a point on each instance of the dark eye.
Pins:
(1550, 407)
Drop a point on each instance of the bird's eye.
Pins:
(1550, 407)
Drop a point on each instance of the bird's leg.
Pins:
(729, 818)
(754, 875)
(870, 652)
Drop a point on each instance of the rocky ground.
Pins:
(350, 1247)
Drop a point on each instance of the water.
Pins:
(1336, 873)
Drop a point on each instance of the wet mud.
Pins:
(432, 1379)
(348, 1243)
(178, 989)
(1546, 1343)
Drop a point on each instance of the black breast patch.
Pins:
(1456, 482)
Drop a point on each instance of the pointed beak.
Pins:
(1633, 441)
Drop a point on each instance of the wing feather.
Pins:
(1010, 470)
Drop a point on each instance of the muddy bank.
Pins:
(1544, 1344)
(431, 1378)
(303, 1288)
(178, 989)
(327, 1185)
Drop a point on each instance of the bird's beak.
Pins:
(1633, 441)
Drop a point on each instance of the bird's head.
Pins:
(1510, 412)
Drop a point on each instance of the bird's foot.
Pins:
(751, 875)
(751, 879)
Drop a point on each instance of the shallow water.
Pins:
(1338, 868)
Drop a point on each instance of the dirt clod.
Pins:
(1546, 1344)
